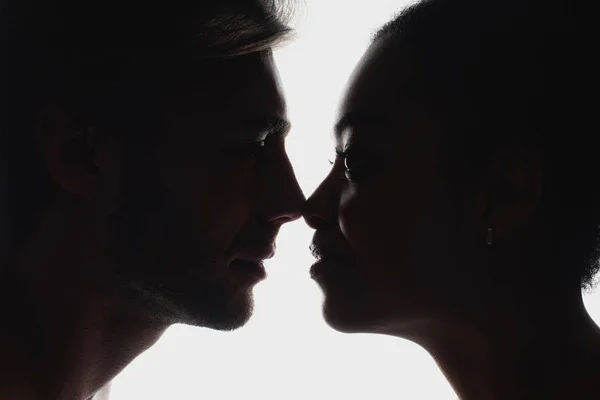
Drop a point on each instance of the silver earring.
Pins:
(490, 236)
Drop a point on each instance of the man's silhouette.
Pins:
(144, 177)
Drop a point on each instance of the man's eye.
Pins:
(262, 151)
(248, 150)
(259, 146)
(266, 147)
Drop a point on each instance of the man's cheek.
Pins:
(228, 211)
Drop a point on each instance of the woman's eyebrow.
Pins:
(360, 119)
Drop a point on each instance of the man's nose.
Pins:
(285, 196)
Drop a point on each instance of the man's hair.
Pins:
(505, 73)
(109, 62)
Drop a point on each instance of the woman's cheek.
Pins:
(371, 221)
(359, 220)
(348, 213)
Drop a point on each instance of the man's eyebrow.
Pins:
(358, 119)
(269, 124)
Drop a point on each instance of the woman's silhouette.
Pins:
(463, 206)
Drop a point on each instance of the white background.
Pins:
(286, 351)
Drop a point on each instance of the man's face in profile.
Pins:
(203, 202)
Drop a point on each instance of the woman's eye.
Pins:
(349, 163)
(353, 166)
(357, 166)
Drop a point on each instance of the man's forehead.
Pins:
(246, 93)
(247, 83)
(231, 125)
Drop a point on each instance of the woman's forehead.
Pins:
(379, 83)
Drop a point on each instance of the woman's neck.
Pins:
(533, 348)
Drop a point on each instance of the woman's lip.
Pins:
(327, 265)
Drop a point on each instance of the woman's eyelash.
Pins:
(341, 154)
(358, 164)
(338, 154)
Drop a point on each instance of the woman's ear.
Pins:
(514, 186)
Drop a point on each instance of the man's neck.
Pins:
(73, 332)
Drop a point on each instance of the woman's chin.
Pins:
(346, 318)
(364, 314)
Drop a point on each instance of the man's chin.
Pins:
(213, 309)
(225, 316)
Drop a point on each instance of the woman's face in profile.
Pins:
(386, 219)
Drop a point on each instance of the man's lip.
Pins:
(255, 269)
(256, 254)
